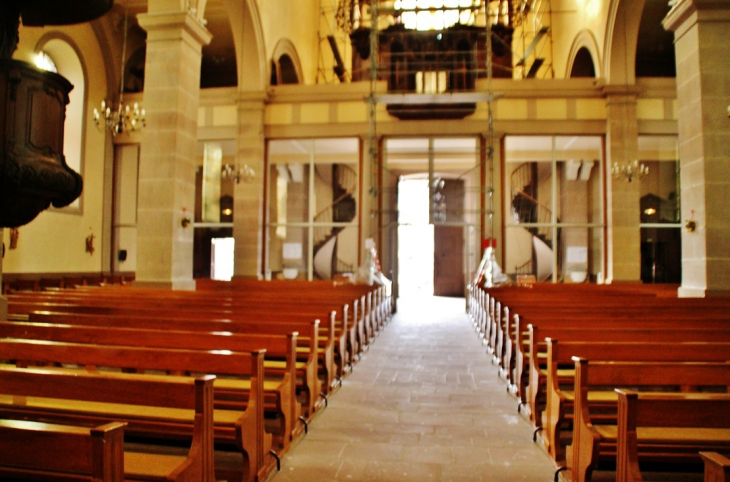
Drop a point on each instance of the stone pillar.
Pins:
(248, 211)
(623, 209)
(703, 97)
(167, 158)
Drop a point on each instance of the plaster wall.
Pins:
(296, 21)
(570, 17)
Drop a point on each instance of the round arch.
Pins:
(586, 41)
(248, 38)
(622, 34)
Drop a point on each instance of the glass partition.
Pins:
(554, 208)
(213, 245)
(661, 236)
(313, 195)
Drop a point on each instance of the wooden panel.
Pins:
(448, 256)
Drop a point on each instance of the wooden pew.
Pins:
(553, 300)
(717, 467)
(559, 409)
(340, 346)
(596, 403)
(381, 302)
(279, 391)
(319, 302)
(671, 427)
(28, 393)
(599, 316)
(533, 393)
(308, 333)
(242, 430)
(44, 451)
(321, 350)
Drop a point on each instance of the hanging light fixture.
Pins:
(629, 171)
(122, 118)
(245, 173)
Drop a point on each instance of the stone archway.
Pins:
(623, 243)
(622, 34)
(248, 38)
(248, 212)
(584, 45)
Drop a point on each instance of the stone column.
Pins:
(703, 97)
(248, 211)
(167, 157)
(623, 204)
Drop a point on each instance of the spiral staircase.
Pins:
(526, 209)
(343, 209)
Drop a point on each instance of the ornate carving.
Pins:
(33, 170)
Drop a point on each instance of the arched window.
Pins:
(583, 64)
(288, 70)
(285, 65)
(44, 62)
(57, 55)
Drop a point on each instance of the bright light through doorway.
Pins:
(221, 259)
(415, 239)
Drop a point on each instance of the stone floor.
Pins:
(423, 404)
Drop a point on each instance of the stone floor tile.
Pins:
(424, 403)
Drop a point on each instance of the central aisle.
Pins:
(423, 404)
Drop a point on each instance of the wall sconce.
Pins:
(690, 225)
(245, 173)
(185, 221)
(629, 171)
(90, 244)
(14, 235)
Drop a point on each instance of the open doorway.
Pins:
(415, 239)
(432, 187)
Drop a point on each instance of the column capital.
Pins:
(171, 25)
(617, 92)
(252, 99)
(685, 13)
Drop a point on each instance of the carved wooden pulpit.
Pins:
(33, 170)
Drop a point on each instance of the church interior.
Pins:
(289, 135)
(247, 167)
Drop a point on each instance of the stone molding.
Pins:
(175, 25)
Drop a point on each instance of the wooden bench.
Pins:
(645, 316)
(717, 467)
(560, 385)
(338, 347)
(242, 430)
(96, 398)
(596, 402)
(279, 391)
(551, 302)
(373, 305)
(321, 298)
(532, 372)
(308, 385)
(669, 427)
(44, 451)
(379, 303)
(321, 350)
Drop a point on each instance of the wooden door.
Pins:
(448, 261)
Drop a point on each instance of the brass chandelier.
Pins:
(122, 118)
